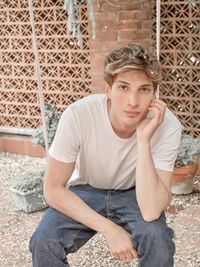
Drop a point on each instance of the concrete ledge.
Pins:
(20, 145)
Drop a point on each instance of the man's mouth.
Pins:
(131, 113)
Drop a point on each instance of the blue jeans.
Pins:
(57, 235)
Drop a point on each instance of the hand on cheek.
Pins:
(151, 122)
(157, 110)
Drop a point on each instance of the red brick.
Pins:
(135, 15)
(106, 16)
(95, 67)
(127, 15)
(122, 25)
(106, 47)
(125, 5)
(146, 42)
(97, 6)
(126, 25)
(128, 35)
(98, 85)
(147, 24)
(97, 72)
(100, 45)
(107, 36)
(97, 59)
(131, 35)
(144, 14)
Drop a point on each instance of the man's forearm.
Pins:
(70, 204)
(152, 195)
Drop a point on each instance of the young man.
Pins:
(126, 143)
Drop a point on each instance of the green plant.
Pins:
(193, 2)
(74, 18)
(30, 180)
(189, 149)
(27, 193)
(52, 119)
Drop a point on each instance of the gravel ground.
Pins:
(16, 226)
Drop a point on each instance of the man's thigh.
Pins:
(56, 227)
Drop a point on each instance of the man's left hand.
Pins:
(151, 122)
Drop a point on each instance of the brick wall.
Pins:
(117, 23)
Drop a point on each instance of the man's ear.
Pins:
(107, 89)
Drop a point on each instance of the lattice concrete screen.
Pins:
(64, 66)
(180, 58)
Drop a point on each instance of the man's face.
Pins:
(130, 97)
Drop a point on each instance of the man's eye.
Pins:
(146, 89)
(123, 87)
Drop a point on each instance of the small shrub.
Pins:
(188, 149)
(30, 180)
(52, 118)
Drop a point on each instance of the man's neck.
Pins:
(123, 133)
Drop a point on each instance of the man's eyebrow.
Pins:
(146, 85)
(141, 86)
(119, 81)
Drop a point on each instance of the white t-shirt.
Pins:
(105, 160)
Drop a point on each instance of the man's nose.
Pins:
(133, 99)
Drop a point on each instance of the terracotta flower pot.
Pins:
(198, 170)
(183, 179)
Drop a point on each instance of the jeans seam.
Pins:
(108, 205)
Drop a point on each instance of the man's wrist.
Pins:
(106, 227)
(143, 144)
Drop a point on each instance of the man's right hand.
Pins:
(119, 242)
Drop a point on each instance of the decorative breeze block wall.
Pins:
(64, 66)
(180, 59)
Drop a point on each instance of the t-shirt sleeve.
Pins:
(165, 155)
(66, 143)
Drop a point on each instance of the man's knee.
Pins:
(154, 239)
(161, 237)
(47, 251)
(38, 242)
(42, 243)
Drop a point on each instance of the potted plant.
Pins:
(186, 165)
(28, 191)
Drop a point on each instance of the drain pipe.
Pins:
(38, 76)
(158, 37)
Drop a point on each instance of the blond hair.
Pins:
(131, 57)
